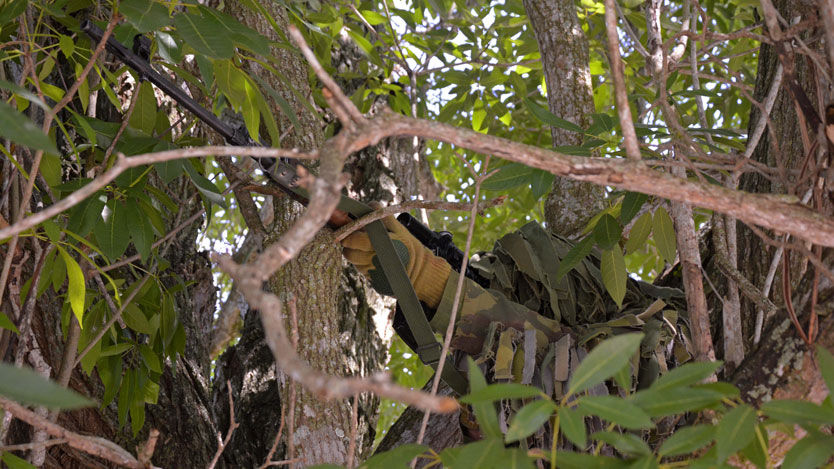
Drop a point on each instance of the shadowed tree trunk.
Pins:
(782, 365)
(564, 48)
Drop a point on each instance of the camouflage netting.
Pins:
(530, 327)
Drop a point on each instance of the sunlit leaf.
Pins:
(76, 289)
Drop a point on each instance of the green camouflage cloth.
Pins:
(532, 328)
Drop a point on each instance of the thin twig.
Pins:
(116, 317)
(33, 445)
(232, 426)
(146, 452)
(124, 163)
(632, 147)
(89, 444)
(343, 101)
(354, 425)
(450, 329)
(275, 442)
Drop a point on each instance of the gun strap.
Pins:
(428, 348)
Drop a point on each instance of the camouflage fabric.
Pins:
(531, 328)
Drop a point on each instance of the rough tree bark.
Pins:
(782, 366)
(564, 48)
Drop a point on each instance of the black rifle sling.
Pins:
(283, 172)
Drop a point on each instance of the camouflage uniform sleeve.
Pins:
(481, 308)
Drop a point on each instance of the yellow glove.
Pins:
(427, 272)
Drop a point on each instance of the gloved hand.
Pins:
(427, 272)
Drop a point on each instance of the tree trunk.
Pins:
(782, 365)
(564, 48)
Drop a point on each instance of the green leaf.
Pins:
(144, 112)
(398, 457)
(206, 187)
(529, 419)
(508, 177)
(137, 414)
(151, 358)
(66, 45)
(604, 360)
(140, 228)
(20, 129)
(282, 102)
(6, 323)
(484, 411)
(572, 424)
(541, 183)
(664, 234)
(687, 440)
(548, 118)
(136, 319)
(632, 202)
(26, 386)
(500, 391)
(757, 451)
(15, 462)
(572, 460)
(646, 462)
(812, 451)
(579, 252)
(826, 363)
(251, 109)
(12, 9)
(478, 454)
(615, 410)
(204, 34)
(76, 289)
(113, 235)
(514, 458)
(614, 274)
(607, 232)
(243, 36)
(690, 373)
(676, 401)
(798, 412)
(168, 47)
(145, 15)
(735, 431)
(625, 443)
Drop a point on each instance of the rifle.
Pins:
(412, 324)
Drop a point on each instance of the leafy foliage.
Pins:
(472, 64)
